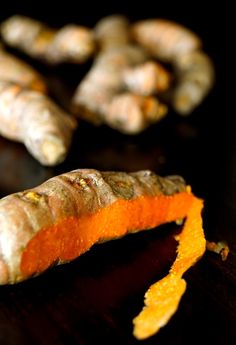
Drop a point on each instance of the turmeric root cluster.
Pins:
(127, 81)
(118, 71)
(127, 88)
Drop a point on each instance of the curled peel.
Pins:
(162, 298)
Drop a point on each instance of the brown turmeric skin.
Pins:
(64, 217)
(17, 71)
(72, 43)
(33, 119)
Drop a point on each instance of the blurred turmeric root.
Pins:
(195, 77)
(33, 119)
(122, 88)
(124, 84)
(177, 45)
(72, 43)
(17, 71)
(102, 95)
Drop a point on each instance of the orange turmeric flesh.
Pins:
(162, 298)
(65, 216)
(73, 236)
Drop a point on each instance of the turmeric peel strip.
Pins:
(162, 298)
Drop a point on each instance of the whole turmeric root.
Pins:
(65, 216)
(195, 78)
(103, 82)
(164, 39)
(177, 45)
(72, 43)
(33, 119)
(17, 71)
(97, 98)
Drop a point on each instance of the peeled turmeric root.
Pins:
(64, 217)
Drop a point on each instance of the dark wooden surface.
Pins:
(94, 299)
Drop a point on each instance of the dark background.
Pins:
(95, 298)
